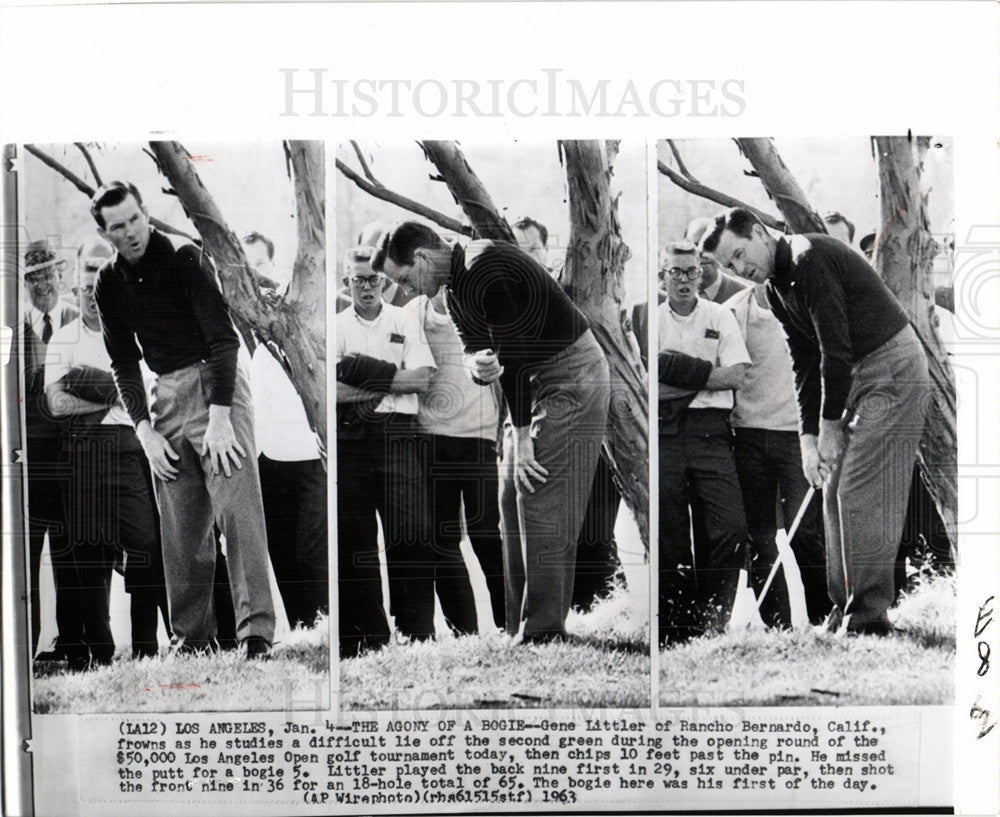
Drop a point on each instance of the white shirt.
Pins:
(282, 429)
(767, 399)
(394, 336)
(77, 345)
(710, 333)
(453, 406)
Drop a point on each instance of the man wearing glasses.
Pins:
(702, 359)
(383, 363)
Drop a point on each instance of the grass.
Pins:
(606, 664)
(296, 677)
(757, 667)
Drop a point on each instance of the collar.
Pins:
(782, 262)
(690, 315)
(710, 292)
(36, 316)
(457, 264)
(148, 266)
(369, 321)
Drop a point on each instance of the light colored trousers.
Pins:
(191, 504)
(569, 417)
(864, 504)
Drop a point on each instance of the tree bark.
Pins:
(294, 325)
(781, 185)
(468, 192)
(595, 263)
(905, 252)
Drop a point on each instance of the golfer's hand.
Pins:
(831, 445)
(811, 464)
(158, 452)
(526, 467)
(485, 366)
(220, 442)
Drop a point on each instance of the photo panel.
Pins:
(807, 427)
(491, 403)
(173, 342)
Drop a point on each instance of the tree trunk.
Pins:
(905, 252)
(595, 258)
(781, 186)
(468, 192)
(294, 325)
(595, 263)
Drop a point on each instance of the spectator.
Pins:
(768, 463)
(461, 420)
(292, 473)
(702, 359)
(837, 226)
(715, 285)
(383, 363)
(109, 500)
(46, 466)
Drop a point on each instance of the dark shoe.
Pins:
(50, 656)
(257, 648)
(543, 637)
(881, 627)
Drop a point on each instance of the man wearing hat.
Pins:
(46, 468)
(163, 305)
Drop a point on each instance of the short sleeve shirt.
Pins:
(75, 346)
(710, 332)
(394, 336)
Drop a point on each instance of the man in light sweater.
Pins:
(765, 424)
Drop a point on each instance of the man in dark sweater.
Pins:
(521, 329)
(164, 305)
(862, 384)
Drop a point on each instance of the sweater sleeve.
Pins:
(823, 295)
(683, 371)
(212, 314)
(805, 366)
(119, 340)
(364, 372)
(502, 310)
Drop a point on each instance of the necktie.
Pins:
(47, 330)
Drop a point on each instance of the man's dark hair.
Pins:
(111, 195)
(739, 221)
(834, 217)
(259, 238)
(525, 222)
(399, 243)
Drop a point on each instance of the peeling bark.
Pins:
(905, 252)
(293, 325)
(781, 186)
(595, 264)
